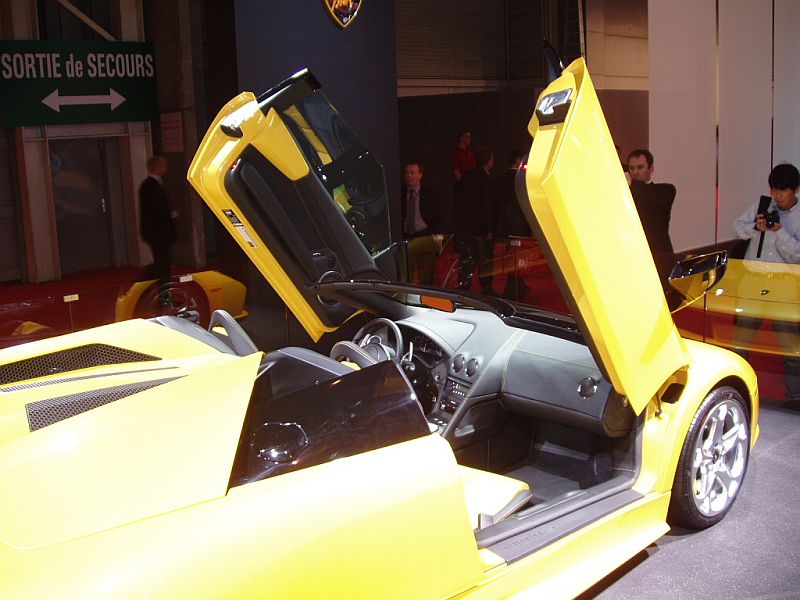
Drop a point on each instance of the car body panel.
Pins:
(668, 422)
(152, 451)
(756, 290)
(598, 244)
(755, 310)
(571, 565)
(388, 523)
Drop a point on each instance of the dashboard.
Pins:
(461, 363)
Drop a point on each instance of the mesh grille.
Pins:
(82, 357)
(38, 384)
(46, 412)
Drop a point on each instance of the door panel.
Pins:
(10, 251)
(81, 202)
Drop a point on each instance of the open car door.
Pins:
(579, 206)
(303, 197)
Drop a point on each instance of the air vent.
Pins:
(47, 382)
(72, 359)
(472, 367)
(46, 412)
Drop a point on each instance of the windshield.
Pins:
(345, 167)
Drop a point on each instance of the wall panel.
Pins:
(786, 132)
(683, 113)
(451, 39)
(745, 106)
(356, 66)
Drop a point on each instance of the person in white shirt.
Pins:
(773, 228)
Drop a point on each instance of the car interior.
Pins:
(541, 437)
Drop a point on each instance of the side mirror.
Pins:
(693, 277)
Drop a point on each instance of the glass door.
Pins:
(80, 171)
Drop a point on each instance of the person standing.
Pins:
(420, 211)
(654, 204)
(473, 219)
(157, 225)
(653, 201)
(773, 227)
(420, 207)
(509, 219)
(462, 159)
(781, 232)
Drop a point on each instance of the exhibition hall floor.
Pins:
(753, 553)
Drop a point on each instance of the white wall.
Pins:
(786, 141)
(711, 64)
(745, 106)
(683, 110)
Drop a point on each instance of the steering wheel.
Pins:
(374, 345)
(368, 348)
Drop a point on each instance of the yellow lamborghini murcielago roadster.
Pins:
(458, 446)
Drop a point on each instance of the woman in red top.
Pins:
(462, 159)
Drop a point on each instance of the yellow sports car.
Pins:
(755, 311)
(194, 296)
(457, 447)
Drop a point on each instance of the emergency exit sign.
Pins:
(58, 82)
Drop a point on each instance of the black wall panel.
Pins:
(429, 126)
(355, 65)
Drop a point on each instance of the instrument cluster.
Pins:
(426, 349)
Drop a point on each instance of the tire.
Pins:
(713, 461)
(185, 299)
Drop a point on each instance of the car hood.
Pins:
(582, 211)
(154, 420)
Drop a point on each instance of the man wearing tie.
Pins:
(420, 206)
(420, 217)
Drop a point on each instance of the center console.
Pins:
(453, 394)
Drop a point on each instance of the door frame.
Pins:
(36, 190)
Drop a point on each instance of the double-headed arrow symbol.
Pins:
(55, 101)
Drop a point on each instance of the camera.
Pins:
(771, 219)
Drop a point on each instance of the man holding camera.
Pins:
(773, 224)
(773, 227)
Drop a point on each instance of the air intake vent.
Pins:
(46, 412)
(63, 361)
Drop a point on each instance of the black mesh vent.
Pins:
(82, 357)
(38, 384)
(46, 412)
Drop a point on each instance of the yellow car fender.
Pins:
(667, 423)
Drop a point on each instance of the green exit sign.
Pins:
(58, 82)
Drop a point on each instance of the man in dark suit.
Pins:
(509, 219)
(474, 219)
(420, 207)
(654, 204)
(653, 200)
(157, 227)
(421, 218)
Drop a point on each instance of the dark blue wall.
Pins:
(356, 65)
